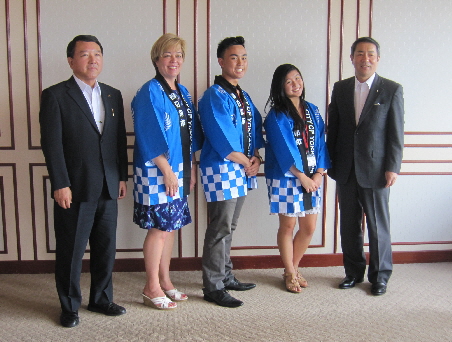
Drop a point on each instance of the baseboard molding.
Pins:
(240, 262)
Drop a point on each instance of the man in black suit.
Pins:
(83, 138)
(365, 142)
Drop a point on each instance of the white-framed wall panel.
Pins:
(314, 35)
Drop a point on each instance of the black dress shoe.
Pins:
(235, 285)
(222, 298)
(69, 319)
(378, 289)
(348, 282)
(110, 309)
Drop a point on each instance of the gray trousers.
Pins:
(353, 199)
(216, 259)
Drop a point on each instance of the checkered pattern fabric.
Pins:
(223, 182)
(286, 196)
(149, 188)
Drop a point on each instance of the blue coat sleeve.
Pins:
(217, 114)
(278, 129)
(148, 108)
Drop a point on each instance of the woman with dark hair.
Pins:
(295, 161)
(167, 134)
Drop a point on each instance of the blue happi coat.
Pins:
(157, 131)
(223, 179)
(281, 153)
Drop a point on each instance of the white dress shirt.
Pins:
(94, 99)
(361, 92)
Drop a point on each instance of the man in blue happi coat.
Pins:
(229, 164)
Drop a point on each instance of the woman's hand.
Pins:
(169, 177)
(309, 184)
(318, 177)
(171, 183)
(254, 168)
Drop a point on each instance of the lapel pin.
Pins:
(110, 95)
(377, 104)
(113, 111)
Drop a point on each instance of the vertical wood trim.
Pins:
(328, 61)
(336, 223)
(27, 76)
(341, 38)
(177, 17)
(164, 16)
(358, 9)
(195, 50)
(327, 97)
(46, 214)
(38, 14)
(2, 209)
(325, 186)
(16, 209)
(16, 212)
(179, 232)
(196, 218)
(208, 44)
(33, 211)
(195, 97)
(12, 145)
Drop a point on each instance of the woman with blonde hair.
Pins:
(167, 134)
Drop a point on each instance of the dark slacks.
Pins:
(85, 221)
(216, 257)
(353, 199)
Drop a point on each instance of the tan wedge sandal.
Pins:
(291, 282)
(303, 282)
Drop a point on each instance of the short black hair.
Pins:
(70, 50)
(227, 42)
(365, 40)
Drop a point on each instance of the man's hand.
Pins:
(390, 178)
(63, 197)
(122, 189)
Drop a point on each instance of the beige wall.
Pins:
(314, 35)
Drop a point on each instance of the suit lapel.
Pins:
(106, 99)
(76, 93)
(374, 93)
(350, 98)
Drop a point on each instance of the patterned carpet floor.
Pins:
(417, 307)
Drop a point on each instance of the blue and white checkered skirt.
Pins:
(224, 181)
(286, 197)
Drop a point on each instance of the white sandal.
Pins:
(176, 295)
(161, 303)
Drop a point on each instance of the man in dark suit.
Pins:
(83, 138)
(365, 142)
